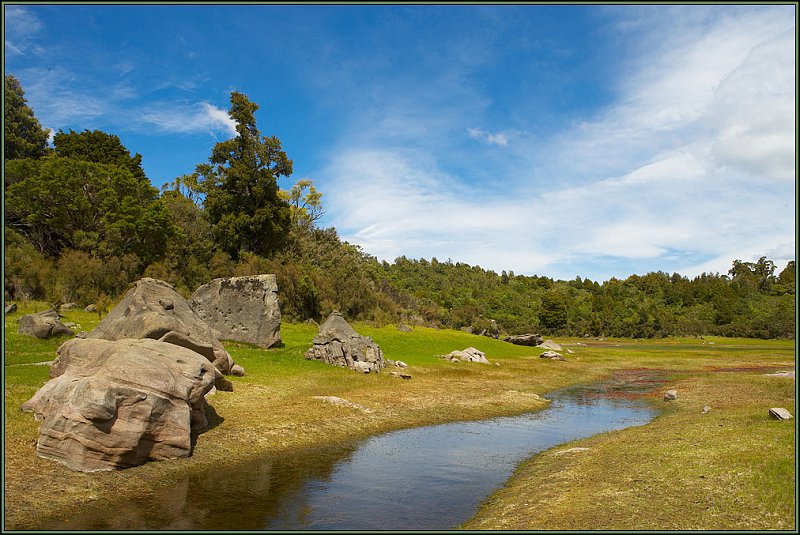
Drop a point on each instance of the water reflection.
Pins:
(424, 478)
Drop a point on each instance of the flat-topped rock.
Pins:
(524, 339)
(244, 309)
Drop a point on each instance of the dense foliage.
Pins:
(82, 222)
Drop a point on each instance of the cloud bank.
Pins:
(690, 167)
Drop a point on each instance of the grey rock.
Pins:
(43, 325)
(780, 413)
(244, 309)
(401, 364)
(705, 410)
(403, 328)
(552, 355)
(524, 339)
(671, 395)
(390, 362)
(11, 308)
(549, 344)
(117, 404)
(400, 375)
(144, 313)
(90, 308)
(470, 354)
(337, 343)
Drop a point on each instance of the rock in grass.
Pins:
(403, 328)
(524, 339)
(244, 309)
(780, 413)
(705, 410)
(334, 400)
(337, 343)
(549, 344)
(552, 355)
(117, 404)
(400, 375)
(11, 308)
(671, 395)
(470, 354)
(43, 325)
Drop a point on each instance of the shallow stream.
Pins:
(426, 478)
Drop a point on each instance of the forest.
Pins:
(82, 221)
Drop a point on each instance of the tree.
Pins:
(305, 203)
(98, 147)
(64, 203)
(23, 136)
(242, 199)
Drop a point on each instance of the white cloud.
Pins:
(500, 138)
(186, 119)
(695, 160)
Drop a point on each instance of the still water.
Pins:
(427, 478)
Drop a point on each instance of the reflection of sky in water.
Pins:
(434, 477)
(424, 478)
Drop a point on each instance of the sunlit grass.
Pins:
(272, 409)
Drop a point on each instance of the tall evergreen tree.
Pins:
(23, 136)
(240, 182)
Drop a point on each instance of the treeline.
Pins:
(83, 221)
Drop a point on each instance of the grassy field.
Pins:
(732, 468)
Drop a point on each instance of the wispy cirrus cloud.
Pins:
(499, 138)
(21, 29)
(691, 166)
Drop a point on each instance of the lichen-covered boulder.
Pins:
(43, 325)
(244, 309)
(552, 355)
(117, 404)
(153, 309)
(339, 344)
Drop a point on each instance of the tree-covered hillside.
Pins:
(83, 221)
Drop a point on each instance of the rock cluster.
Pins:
(43, 325)
(244, 309)
(470, 354)
(153, 309)
(339, 344)
(117, 404)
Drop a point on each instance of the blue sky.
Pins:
(557, 140)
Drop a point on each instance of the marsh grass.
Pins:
(272, 412)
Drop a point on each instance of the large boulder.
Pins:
(117, 404)
(244, 309)
(470, 354)
(339, 344)
(524, 339)
(153, 309)
(43, 325)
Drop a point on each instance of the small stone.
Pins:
(705, 410)
(404, 328)
(400, 375)
(90, 308)
(166, 303)
(401, 364)
(11, 308)
(552, 355)
(780, 413)
(237, 370)
(390, 362)
(671, 395)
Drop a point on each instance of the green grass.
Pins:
(272, 411)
